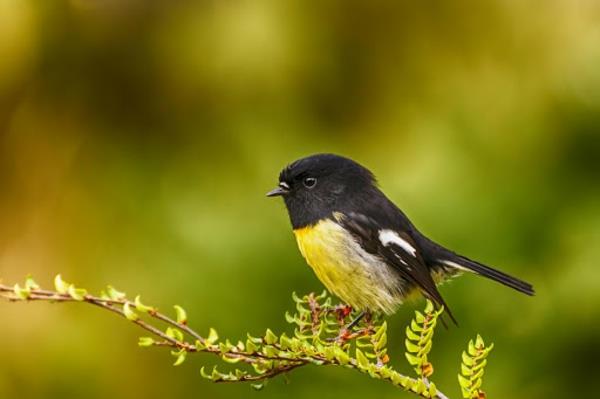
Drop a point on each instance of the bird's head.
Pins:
(316, 186)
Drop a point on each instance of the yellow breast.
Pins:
(358, 278)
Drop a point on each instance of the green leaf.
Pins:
(181, 314)
(411, 347)
(401, 380)
(413, 360)
(204, 374)
(76, 293)
(212, 336)
(411, 335)
(415, 326)
(419, 317)
(289, 318)
(380, 331)
(141, 307)
(471, 348)
(60, 285)
(477, 375)
(30, 283)
(464, 382)
(429, 307)
(341, 356)
(239, 373)
(258, 386)
(479, 365)
(251, 347)
(256, 340)
(361, 359)
(329, 352)
(285, 342)
(467, 360)
(200, 346)
(479, 342)
(296, 298)
(129, 314)
(419, 386)
(439, 311)
(270, 337)
(426, 349)
(146, 341)
(427, 335)
(114, 294)
(466, 371)
(240, 346)
(270, 351)
(432, 390)
(216, 376)
(21, 293)
(174, 333)
(381, 343)
(231, 358)
(181, 355)
(225, 347)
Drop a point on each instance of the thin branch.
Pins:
(273, 359)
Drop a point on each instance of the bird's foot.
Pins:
(348, 332)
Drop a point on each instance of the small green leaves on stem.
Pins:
(129, 313)
(77, 294)
(146, 341)
(30, 283)
(114, 295)
(212, 337)
(21, 293)
(140, 307)
(419, 339)
(320, 337)
(180, 356)
(174, 333)
(181, 314)
(472, 369)
(270, 337)
(59, 285)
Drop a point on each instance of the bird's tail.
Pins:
(463, 263)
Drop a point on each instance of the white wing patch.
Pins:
(388, 237)
(456, 265)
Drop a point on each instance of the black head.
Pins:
(316, 186)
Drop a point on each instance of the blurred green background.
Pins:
(137, 140)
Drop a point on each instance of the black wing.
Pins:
(398, 249)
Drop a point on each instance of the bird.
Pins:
(361, 246)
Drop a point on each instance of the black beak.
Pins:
(278, 191)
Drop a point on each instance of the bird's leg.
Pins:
(356, 320)
(345, 333)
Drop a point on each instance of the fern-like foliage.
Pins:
(321, 336)
(472, 369)
(419, 339)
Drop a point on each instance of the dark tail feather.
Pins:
(450, 315)
(491, 273)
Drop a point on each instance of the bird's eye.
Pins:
(309, 182)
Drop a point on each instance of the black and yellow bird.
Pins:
(360, 245)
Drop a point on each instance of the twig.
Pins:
(269, 358)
